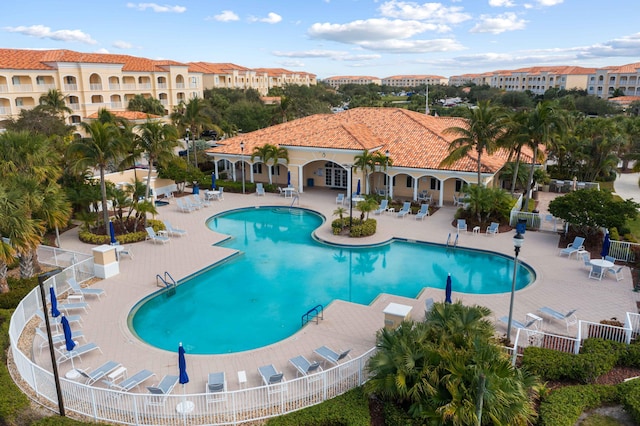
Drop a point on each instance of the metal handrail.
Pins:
(318, 315)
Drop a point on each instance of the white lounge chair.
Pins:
(184, 207)
(339, 198)
(173, 231)
(155, 238)
(617, 272)
(384, 206)
(202, 201)
(305, 367)
(462, 225)
(532, 324)
(574, 247)
(161, 390)
(56, 321)
(66, 307)
(569, 318)
(406, 209)
(85, 291)
(493, 228)
(332, 356)
(97, 374)
(216, 387)
(56, 338)
(259, 189)
(270, 376)
(127, 384)
(424, 211)
(78, 351)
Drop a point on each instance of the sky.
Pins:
(378, 38)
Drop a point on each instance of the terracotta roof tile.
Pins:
(414, 140)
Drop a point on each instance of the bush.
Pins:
(133, 237)
(11, 399)
(564, 406)
(630, 398)
(363, 229)
(19, 288)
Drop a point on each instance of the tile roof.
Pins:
(414, 140)
(216, 68)
(45, 60)
(414, 76)
(129, 115)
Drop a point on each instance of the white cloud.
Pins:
(102, 50)
(499, 24)
(336, 55)
(501, 3)
(431, 12)
(226, 16)
(549, 2)
(122, 44)
(413, 46)
(157, 8)
(40, 31)
(272, 18)
(370, 30)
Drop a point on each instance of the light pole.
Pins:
(386, 168)
(518, 240)
(195, 153)
(351, 197)
(242, 161)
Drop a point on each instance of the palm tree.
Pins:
(157, 141)
(486, 124)
(55, 102)
(102, 147)
(193, 116)
(382, 161)
(366, 162)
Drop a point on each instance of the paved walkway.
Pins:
(561, 284)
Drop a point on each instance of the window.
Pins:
(75, 119)
(409, 182)
(459, 184)
(257, 168)
(275, 170)
(435, 184)
(40, 80)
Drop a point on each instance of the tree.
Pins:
(156, 141)
(485, 125)
(270, 154)
(55, 102)
(147, 105)
(588, 210)
(99, 149)
(366, 161)
(487, 204)
(41, 121)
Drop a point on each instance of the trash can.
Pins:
(521, 226)
(310, 182)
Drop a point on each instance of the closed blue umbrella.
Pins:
(288, 178)
(213, 181)
(54, 303)
(447, 291)
(112, 233)
(358, 188)
(605, 246)
(182, 366)
(68, 338)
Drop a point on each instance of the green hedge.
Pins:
(133, 237)
(12, 401)
(348, 409)
(18, 289)
(630, 398)
(564, 406)
(363, 229)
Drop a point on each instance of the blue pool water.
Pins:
(258, 297)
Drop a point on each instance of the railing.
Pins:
(623, 250)
(318, 314)
(167, 280)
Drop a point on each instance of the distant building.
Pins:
(604, 81)
(338, 81)
(413, 80)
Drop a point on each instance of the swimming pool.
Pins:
(257, 298)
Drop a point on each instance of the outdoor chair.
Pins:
(462, 225)
(596, 272)
(155, 238)
(173, 231)
(134, 381)
(405, 210)
(384, 205)
(78, 351)
(304, 367)
(270, 376)
(216, 387)
(159, 393)
(332, 356)
(98, 373)
(424, 211)
(493, 228)
(569, 318)
(89, 291)
(574, 247)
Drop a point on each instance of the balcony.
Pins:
(23, 88)
(114, 86)
(46, 86)
(162, 85)
(146, 86)
(70, 87)
(74, 106)
(116, 105)
(5, 110)
(129, 86)
(179, 85)
(4, 88)
(95, 86)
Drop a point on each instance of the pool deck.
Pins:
(561, 283)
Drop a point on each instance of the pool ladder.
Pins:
(167, 281)
(316, 312)
(455, 242)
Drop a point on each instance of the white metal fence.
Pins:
(226, 408)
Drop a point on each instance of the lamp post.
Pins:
(188, 131)
(195, 153)
(351, 197)
(518, 240)
(386, 167)
(56, 377)
(242, 160)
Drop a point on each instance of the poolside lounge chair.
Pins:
(89, 291)
(184, 207)
(151, 235)
(384, 205)
(216, 387)
(193, 202)
(66, 307)
(56, 321)
(56, 338)
(428, 304)
(259, 189)
(493, 228)
(405, 210)
(127, 384)
(270, 376)
(586, 258)
(424, 211)
(97, 374)
(596, 272)
(78, 351)
(220, 195)
(574, 247)
(570, 317)
(331, 355)
(160, 392)
(462, 225)
(174, 231)
(529, 325)
(339, 198)
(305, 367)
(198, 199)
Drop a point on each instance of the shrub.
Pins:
(133, 237)
(19, 289)
(363, 229)
(630, 398)
(11, 399)
(564, 406)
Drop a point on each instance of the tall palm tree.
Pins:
(156, 140)
(55, 102)
(382, 162)
(366, 161)
(99, 149)
(486, 124)
(191, 115)
(538, 128)
(270, 155)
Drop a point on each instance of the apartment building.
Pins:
(477, 79)
(232, 76)
(338, 81)
(413, 80)
(91, 81)
(604, 81)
